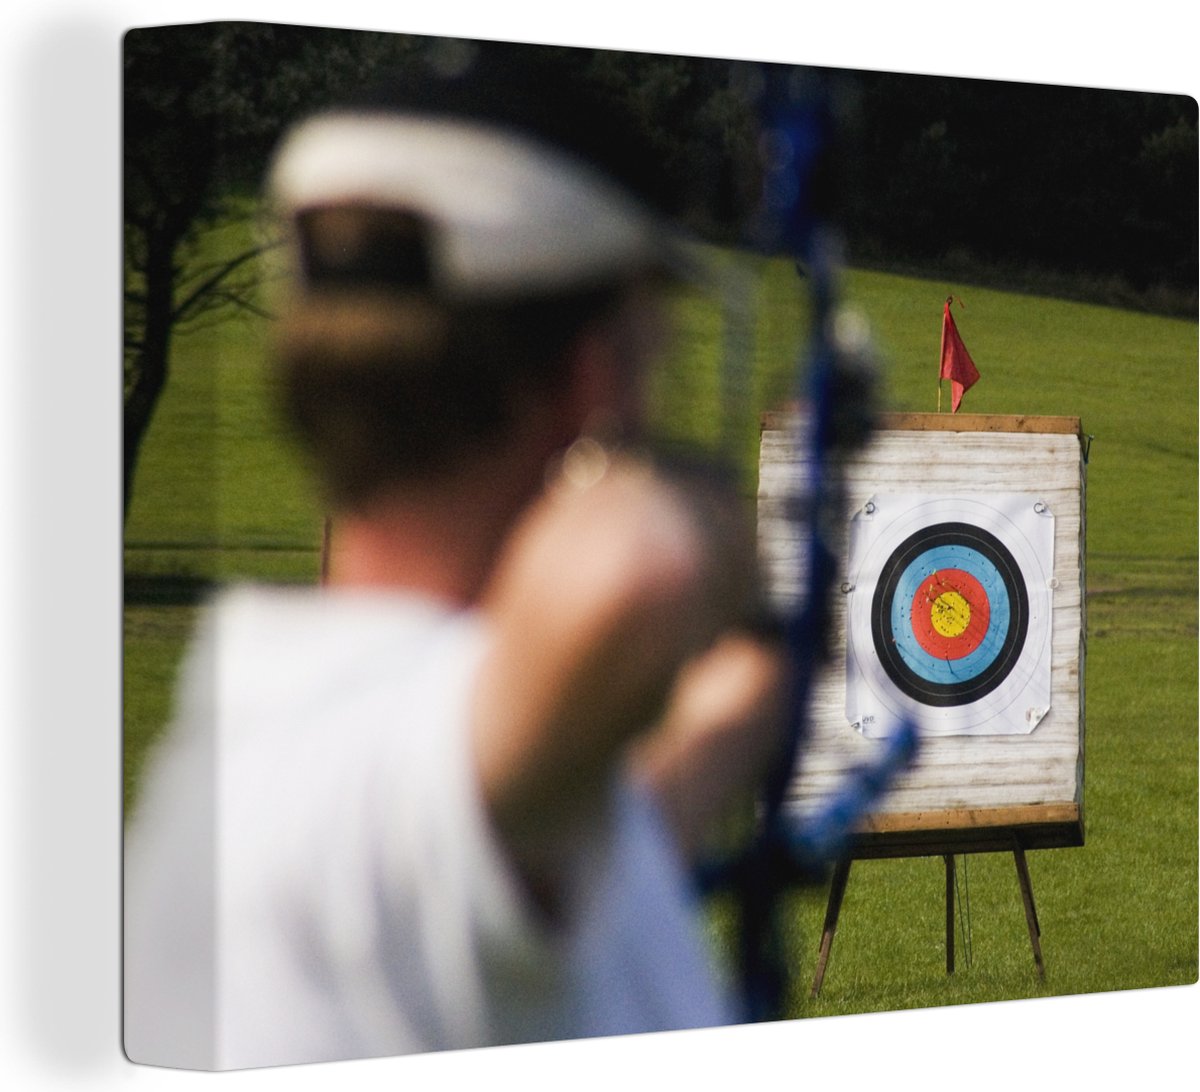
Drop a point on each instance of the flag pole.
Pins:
(942, 356)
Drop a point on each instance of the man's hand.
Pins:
(606, 590)
(722, 727)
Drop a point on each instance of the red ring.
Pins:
(924, 603)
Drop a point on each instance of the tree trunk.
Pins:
(153, 359)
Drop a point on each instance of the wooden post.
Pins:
(326, 538)
(1031, 918)
(837, 890)
(949, 858)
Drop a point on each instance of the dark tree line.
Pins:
(989, 177)
(1078, 182)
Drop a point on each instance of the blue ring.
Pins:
(915, 573)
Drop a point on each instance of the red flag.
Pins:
(957, 365)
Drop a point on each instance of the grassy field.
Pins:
(220, 496)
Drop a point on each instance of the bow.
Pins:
(797, 107)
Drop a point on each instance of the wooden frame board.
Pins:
(965, 793)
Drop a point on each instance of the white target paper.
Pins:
(948, 613)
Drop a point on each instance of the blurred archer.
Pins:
(450, 798)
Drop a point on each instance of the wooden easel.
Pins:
(1042, 827)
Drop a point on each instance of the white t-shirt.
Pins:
(310, 874)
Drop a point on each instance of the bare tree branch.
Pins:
(196, 297)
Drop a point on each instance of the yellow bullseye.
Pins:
(950, 613)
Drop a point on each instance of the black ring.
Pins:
(964, 691)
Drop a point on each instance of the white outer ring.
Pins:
(1019, 703)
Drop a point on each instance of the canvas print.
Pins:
(598, 525)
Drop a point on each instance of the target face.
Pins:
(949, 613)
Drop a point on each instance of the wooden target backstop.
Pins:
(961, 601)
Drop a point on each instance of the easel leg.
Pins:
(1031, 919)
(837, 890)
(949, 859)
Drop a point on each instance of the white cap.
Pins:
(506, 214)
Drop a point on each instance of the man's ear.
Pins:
(595, 390)
(580, 403)
(609, 363)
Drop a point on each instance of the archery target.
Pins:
(949, 613)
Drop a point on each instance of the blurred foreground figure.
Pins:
(448, 799)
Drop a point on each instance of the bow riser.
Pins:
(835, 421)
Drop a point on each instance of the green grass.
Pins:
(220, 492)
(1118, 913)
(221, 496)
